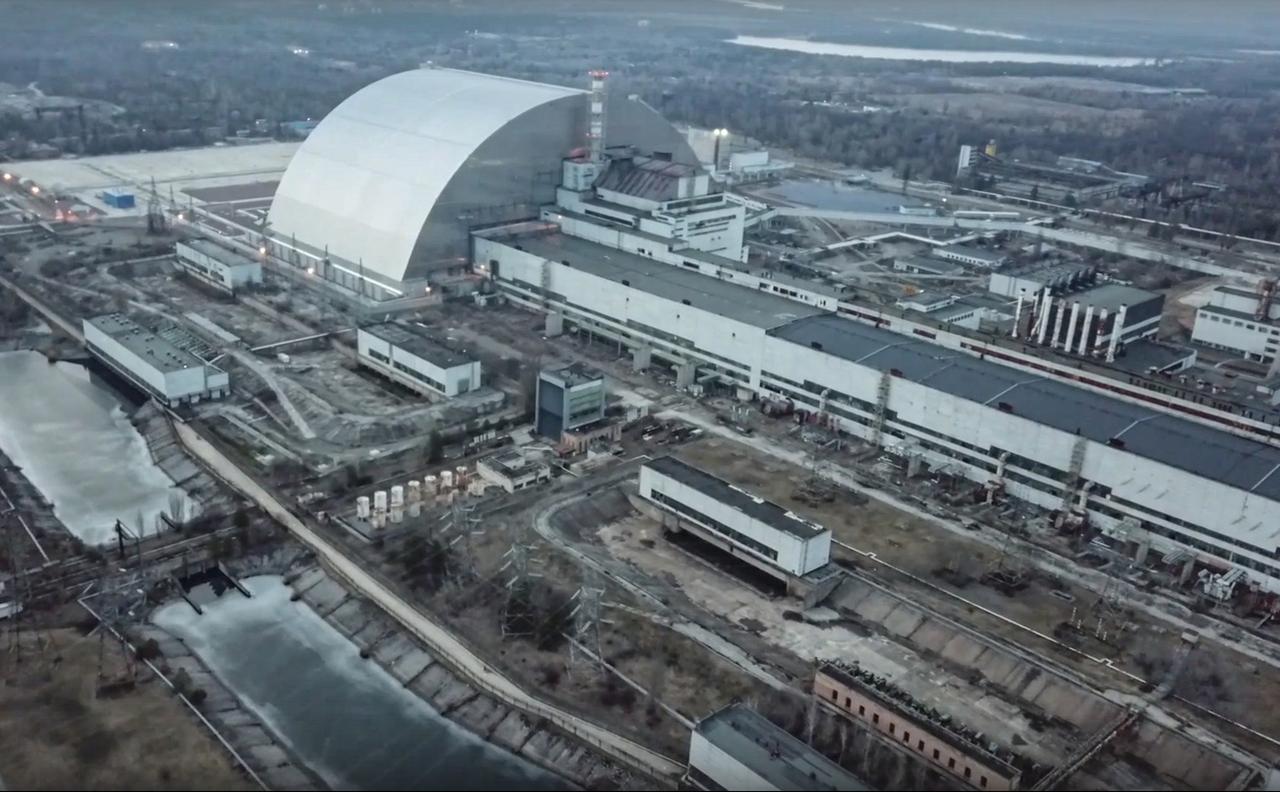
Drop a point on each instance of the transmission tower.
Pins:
(586, 621)
(157, 223)
(462, 530)
(518, 577)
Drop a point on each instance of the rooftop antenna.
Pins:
(595, 133)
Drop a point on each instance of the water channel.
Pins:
(70, 435)
(918, 54)
(344, 717)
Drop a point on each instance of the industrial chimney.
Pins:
(595, 132)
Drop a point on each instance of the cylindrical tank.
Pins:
(414, 497)
(460, 476)
(380, 501)
(397, 495)
(446, 480)
(430, 486)
(362, 507)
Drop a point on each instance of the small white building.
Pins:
(219, 267)
(512, 471)
(1231, 321)
(156, 366)
(738, 748)
(972, 256)
(406, 354)
(760, 532)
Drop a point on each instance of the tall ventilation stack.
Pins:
(595, 131)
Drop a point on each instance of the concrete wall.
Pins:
(795, 555)
(931, 749)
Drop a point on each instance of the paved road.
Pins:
(437, 638)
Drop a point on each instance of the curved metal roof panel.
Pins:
(365, 180)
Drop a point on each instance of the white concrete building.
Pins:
(218, 266)
(972, 256)
(749, 527)
(1153, 479)
(737, 748)
(511, 471)
(157, 367)
(406, 354)
(1230, 321)
(675, 205)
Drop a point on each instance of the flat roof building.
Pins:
(216, 265)
(1240, 321)
(972, 256)
(158, 367)
(568, 398)
(763, 533)
(738, 748)
(511, 471)
(409, 355)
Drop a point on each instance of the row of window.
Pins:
(967, 771)
(1213, 317)
(715, 525)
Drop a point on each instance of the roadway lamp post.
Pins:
(719, 134)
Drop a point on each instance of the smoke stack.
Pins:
(595, 132)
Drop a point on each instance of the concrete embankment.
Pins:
(385, 642)
(252, 739)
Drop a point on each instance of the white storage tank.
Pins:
(430, 486)
(362, 507)
(397, 504)
(414, 497)
(446, 480)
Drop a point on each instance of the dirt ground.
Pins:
(56, 733)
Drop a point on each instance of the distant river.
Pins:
(74, 442)
(950, 56)
(344, 717)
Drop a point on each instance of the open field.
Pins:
(57, 733)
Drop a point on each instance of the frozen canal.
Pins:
(342, 716)
(826, 195)
(74, 443)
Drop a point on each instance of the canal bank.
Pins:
(277, 669)
(72, 438)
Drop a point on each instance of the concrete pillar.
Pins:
(1102, 324)
(641, 357)
(555, 325)
(1144, 547)
(1043, 319)
(1056, 339)
(1187, 569)
(1017, 317)
(1116, 328)
(1084, 331)
(1071, 326)
(685, 373)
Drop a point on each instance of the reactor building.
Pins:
(385, 191)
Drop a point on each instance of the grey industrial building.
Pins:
(157, 367)
(409, 355)
(738, 748)
(217, 266)
(568, 398)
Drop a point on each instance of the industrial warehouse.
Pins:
(649, 503)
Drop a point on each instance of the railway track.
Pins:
(59, 576)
